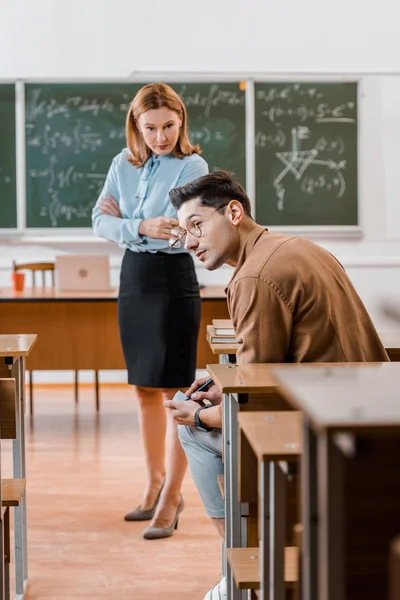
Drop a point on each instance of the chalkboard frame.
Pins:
(85, 234)
(7, 231)
(315, 231)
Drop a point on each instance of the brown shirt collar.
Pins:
(256, 232)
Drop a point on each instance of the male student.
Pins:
(289, 299)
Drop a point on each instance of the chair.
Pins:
(43, 267)
(34, 267)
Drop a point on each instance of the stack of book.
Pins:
(221, 332)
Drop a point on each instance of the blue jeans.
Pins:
(204, 454)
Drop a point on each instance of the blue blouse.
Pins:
(142, 193)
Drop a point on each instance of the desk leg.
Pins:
(309, 580)
(97, 391)
(4, 579)
(264, 530)
(331, 521)
(19, 470)
(277, 503)
(232, 505)
(272, 519)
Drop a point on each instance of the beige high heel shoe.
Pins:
(144, 515)
(157, 533)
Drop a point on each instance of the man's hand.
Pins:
(182, 410)
(213, 395)
(109, 206)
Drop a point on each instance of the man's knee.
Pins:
(184, 434)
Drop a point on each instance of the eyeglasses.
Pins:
(194, 229)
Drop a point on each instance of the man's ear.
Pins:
(235, 212)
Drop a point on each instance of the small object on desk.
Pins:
(18, 281)
(223, 327)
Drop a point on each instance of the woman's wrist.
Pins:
(141, 228)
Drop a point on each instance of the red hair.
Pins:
(150, 97)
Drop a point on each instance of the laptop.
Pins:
(83, 273)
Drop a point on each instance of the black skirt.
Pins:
(159, 318)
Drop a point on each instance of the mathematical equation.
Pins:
(215, 96)
(278, 139)
(56, 210)
(77, 139)
(300, 162)
(61, 178)
(303, 103)
(49, 108)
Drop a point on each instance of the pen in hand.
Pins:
(203, 387)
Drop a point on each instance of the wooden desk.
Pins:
(350, 475)
(244, 388)
(80, 330)
(266, 438)
(14, 349)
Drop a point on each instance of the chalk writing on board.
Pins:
(296, 163)
(293, 115)
(214, 96)
(73, 131)
(71, 140)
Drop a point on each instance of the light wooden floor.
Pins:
(84, 473)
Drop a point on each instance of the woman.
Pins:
(159, 301)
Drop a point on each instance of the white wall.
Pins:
(96, 38)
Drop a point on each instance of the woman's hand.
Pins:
(109, 206)
(213, 395)
(159, 228)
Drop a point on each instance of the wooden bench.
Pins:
(12, 490)
(245, 566)
(8, 430)
(268, 443)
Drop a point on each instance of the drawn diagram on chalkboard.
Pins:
(297, 161)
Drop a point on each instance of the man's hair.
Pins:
(215, 190)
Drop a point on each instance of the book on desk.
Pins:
(221, 332)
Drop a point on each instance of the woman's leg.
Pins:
(176, 464)
(152, 422)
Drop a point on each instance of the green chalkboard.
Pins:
(8, 172)
(306, 153)
(73, 131)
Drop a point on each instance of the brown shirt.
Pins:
(291, 301)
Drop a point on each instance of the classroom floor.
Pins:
(85, 471)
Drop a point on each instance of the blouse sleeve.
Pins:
(114, 229)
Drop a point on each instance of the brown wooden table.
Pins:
(14, 349)
(79, 330)
(350, 475)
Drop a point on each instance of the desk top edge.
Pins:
(17, 345)
(209, 292)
